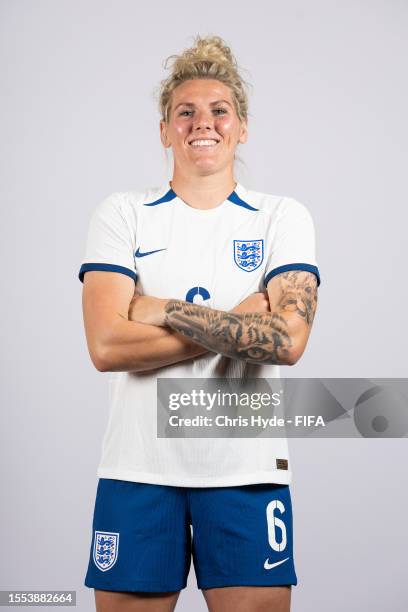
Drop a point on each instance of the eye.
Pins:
(223, 111)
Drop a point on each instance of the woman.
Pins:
(226, 286)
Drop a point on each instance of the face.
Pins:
(203, 109)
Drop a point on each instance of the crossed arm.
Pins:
(276, 337)
(144, 332)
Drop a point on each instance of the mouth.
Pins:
(204, 143)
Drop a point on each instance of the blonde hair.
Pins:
(210, 58)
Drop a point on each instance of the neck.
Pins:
(206, 191)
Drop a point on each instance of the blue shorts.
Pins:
(142, 540)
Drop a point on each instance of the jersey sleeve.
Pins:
(291, 241)
(111, 238)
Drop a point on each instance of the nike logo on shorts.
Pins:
(269, 566)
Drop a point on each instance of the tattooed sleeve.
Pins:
(255, 337)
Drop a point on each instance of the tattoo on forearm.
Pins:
(253, 337)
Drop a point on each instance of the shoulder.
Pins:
(126, 203)
(145, 195)
(276, 208)
(264, 202)
(273, 204)
(292, 209)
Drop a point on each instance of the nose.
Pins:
(203, 120)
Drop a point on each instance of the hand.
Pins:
(255, 302)
(147, 309)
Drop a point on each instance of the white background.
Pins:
(327, 126)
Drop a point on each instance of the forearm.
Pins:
(148, 343)
(253, 337)
(138, 347)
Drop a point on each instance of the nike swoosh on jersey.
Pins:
(139, 254)
(269, 566)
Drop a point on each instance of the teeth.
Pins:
(207, 143)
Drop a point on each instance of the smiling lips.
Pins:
(204, 143)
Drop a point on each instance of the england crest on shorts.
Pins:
(248, 254)
(106, 547)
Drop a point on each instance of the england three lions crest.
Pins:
(105, 551)
(248, 254)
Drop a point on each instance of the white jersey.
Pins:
(215, 258)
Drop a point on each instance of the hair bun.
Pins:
(211, 48)
(209, 58)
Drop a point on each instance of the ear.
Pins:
(163, 134)
(243, 134)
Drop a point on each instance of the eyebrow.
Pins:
(211, 103)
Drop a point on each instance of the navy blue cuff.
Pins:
(293, 266)
(107, 268)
